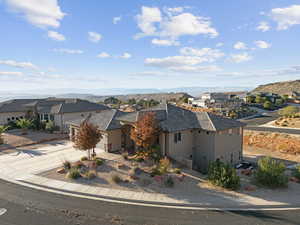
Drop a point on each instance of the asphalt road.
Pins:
(27, 206)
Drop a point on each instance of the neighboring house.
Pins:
(50, 109)
(191, 138)
(222, 102)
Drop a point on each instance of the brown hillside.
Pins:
(279, 87)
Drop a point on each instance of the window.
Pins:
(8, 119)
(177, 137)
(46, 117)
(13, 118)
(231, 158)
(51, 117)
(230, 131)
(207, 132)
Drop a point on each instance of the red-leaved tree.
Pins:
(87, 138)
(145, 131)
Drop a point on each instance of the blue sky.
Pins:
(50, 44)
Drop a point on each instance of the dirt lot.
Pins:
(15, 138)
(287, 122)
(274, 142)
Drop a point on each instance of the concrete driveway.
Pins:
(30, 161)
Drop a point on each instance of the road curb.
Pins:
(192, 206)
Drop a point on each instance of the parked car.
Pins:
(244, 165)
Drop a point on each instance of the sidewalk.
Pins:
(23, 167)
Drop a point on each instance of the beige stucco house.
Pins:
(58, 110)
(191, 138)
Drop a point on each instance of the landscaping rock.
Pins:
(180, 177)
(249, 188)
(138, 171)
(122, 167)
(158, 179)
(61, 171)
(294, 179)
(134, 177)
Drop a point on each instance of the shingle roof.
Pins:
(172, 118)
(105, 120)
(50, 105)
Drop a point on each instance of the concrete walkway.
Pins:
(23, 166)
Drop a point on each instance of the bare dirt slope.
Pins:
(279, 87)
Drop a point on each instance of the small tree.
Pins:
(2, 130)
(289, 111)
(268, 105)
(145, 131)
(87, 138)
(24, 124)
(270, 173)
(223, 175)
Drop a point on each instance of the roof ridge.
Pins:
(60, 107)
(113, 115)
(208, 116)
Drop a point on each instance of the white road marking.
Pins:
(2, 211)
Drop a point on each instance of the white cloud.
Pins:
(153, 23)
(238, 58)
(188, 61)
(94, 36)
(23, 65)
(240, 45)
(6, 73)
(205, 54)
(220, 44)
(187, 24)
(162, 42)
(263, 26)
(196, 69)
(175, 9)
(174, 61)
(262, 44)
(103, 55)
(126, 55)
(117, 19)
(68, 51)
(41, 13)
(147, 18)
(286, 17)
(56, 36)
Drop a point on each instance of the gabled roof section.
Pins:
(105, 120)
(51, 105)
(211, 122)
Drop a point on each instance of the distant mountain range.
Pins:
(91, 94)
(281, 88)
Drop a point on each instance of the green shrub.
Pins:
(99, 162)
(155, 172)
(270, 173)
(223, 175)
(78, 165)
(177, 171)
(289, 111)
(73, 173)
(169, 182)
(164, 165)
(67, 165)
(84, 158)
(296, 172)
(155, 153)
(116, 178)
(90, 174)
(50, 126)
